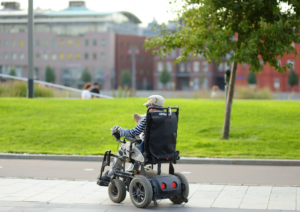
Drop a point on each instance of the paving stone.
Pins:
(203, 203)
(211, 187)
(253, 205)
(66, 199)
(261, 190)
(284, 190)
(11, 198)
(7, 182)
(43, 197)
(205, 195)
(235, 188)
(227, 203)
(231, 195)
(283, 197)
(51, 183)
(282, 205)
(2, 209)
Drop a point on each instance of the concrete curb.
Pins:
(183, 160)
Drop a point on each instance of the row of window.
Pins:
(71, 56)
(139, 58)
(7, 43)
(14, 56)
(292, 62)
(46, 43)
(128, 45)
(183, 67)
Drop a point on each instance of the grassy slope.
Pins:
(259, 129)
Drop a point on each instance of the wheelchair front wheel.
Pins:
(117, 191)
(141, 192)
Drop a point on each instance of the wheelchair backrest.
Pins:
(161, 134)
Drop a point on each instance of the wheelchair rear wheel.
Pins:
(141, 192)
(117, 191)
(183, 180)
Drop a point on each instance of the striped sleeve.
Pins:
(135, 131)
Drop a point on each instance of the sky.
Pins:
(145, 10)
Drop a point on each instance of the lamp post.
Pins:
(133, 51)
(30, 49)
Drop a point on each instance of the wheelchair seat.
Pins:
(161, 136)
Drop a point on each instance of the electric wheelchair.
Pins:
(146, 184)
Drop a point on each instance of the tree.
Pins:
(125, 78)
(248, 30)
(12, 72)
(165, 77)
(50, 74)
(251, 78)
(86, 76)
(293, 79)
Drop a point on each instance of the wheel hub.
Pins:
(138, 192)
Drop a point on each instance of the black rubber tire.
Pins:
(117, 191)
(186, 192)
(140, 184)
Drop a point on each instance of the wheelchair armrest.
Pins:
(134, 140)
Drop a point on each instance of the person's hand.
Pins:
(116, 130)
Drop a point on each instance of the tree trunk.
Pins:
(226, 126)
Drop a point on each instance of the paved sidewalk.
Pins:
(201, 195)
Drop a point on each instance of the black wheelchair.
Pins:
(146, 184)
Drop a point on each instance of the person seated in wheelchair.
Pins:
(154, 100)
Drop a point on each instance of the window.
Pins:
(70, 56)
(45, 56)
(292, 65)
(103, 56)
(6, 43)
(128, 45)
(37, 43)
(21, 56)
(196, 66)
(103, 42)
(37, 56)
(6, 56)
(78, 43)
(36, 73)
(221, 67)
(173, 53)
(95, 42)
(205, 66)
(160, 66)
(141, 71)
(293, 44)
(13, 43)
(86, 42)
(62, 42)
(21, 43)
(141, 58)
(53, 43)
(188, 67)
(94, 56)
(45, 43)
(276, 83)
(86, 56)
(128, 58)
(196, 84)
(181, 67)
(53, 56)
(205, 83)
(14, 56)
(244, 66)
(70, 42)
(122, 57)
(78, 56)
(62, 56)
(261, 63)
(169, 66)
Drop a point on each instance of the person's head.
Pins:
(156, 101)
(96, 85)
(87, 86)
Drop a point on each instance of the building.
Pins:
(269, 77)
(144, 61)
(68, 41)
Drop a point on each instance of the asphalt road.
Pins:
(200, 173)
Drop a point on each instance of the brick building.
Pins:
(269, 77)
(144, 61)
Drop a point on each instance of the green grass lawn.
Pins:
(259, 129)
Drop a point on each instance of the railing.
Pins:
(53, 85)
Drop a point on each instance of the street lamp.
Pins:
(30, 49)
(133, 51)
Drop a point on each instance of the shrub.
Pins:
(50, 75)
(86, 76)
(253, 93)
(19, 89)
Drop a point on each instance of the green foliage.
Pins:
(50, 74)
(254, 93)
(293, 78)
(120, 91)
(125, 78)
(86, 76)
(19, 89)
(260, 129)
(165, 76)
(251, 78)
(208, 28)
(12, 72)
